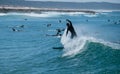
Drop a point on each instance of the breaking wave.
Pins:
(44, 14)
(78, 44)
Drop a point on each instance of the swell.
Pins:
(78, 45)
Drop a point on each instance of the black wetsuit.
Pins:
(58, 31)
(71, 29)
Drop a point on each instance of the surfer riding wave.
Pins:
(71, 29)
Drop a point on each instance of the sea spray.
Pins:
(44, 14)
(72, 46)
(77, 45)
(106, 43)
(2, 14)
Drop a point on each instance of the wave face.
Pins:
(95, 50)
(76, 45)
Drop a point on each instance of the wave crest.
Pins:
(78, 44)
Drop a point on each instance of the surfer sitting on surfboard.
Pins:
(71, 29)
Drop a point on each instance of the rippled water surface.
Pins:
(29, 50)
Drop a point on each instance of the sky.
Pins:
(111, 1)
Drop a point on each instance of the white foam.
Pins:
(44, 14)
(76, 45)
(72, 46)
(74, 13)
(2, 14)
(29, 14)
(91, 15)
(37, 15)
(106, 43)
(53, 14)
(32, 14)
(102, 10)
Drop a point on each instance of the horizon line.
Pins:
(74, 2)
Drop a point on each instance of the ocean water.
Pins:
(96, 50)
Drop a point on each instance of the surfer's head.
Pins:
(68, 25)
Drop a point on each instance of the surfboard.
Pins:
(58, 36)
(58, 47)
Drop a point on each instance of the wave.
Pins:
(78, 44)
(51, 14)
(31, 14)
(27, 14)
(102, 10)
(44, 14)
(3, 14)
(91, 15)
(56, 14)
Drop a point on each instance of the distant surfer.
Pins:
(16, 30)
(22, 26)
(115, 22)
(57, 34)
(87, 20)
(25, 19)
(71, 29)
(108, 20)
(48, 25)
(13, 29)
(60, 21)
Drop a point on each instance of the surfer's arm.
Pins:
(66, 32)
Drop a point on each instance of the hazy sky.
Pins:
(111, 1)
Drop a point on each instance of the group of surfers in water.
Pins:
(69, 25)
(70, 29)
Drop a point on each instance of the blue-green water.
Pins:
(96, 50)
